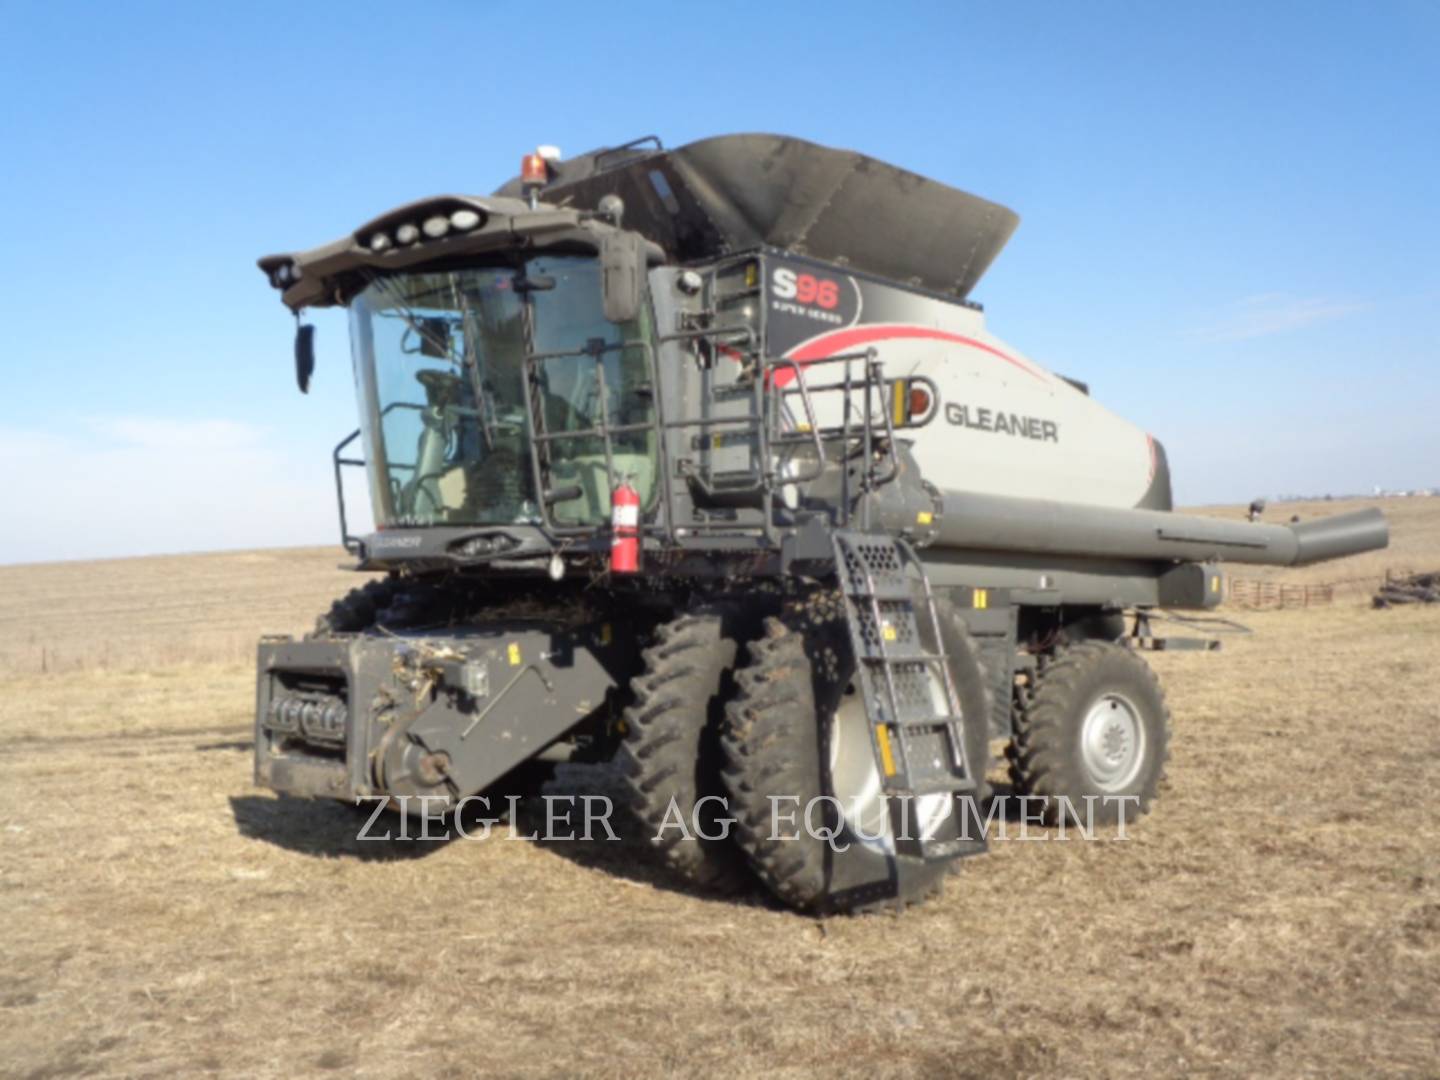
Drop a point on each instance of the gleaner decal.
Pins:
(994, 420)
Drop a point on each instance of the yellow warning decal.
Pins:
(901, 393)
(887, 759)
(513, 652)
(924, 517)
(982, 599)
(888, 631)
(1214, 582)
(605, 633)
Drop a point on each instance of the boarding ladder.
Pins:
(903, 674)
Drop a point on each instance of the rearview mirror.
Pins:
(434, 337)
(304, 356)
(622, 275)
(528, 283)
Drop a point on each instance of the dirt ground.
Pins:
(1279, 913)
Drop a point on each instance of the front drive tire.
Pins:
(793, 701)
(1094, 730)
(671, 749)
(357, 610)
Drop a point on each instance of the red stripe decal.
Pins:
(842, 341)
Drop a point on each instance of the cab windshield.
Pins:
(440, 367)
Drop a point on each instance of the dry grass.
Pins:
(147, 613)
(1279, 913)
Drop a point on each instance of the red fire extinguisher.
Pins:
(625, 525)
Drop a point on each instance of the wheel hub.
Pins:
(1112, 742)
(856, 782)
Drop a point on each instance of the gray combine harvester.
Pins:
(702, 460)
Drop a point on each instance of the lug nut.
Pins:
(433, 767)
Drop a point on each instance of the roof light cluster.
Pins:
(284, 275)
(433, 228)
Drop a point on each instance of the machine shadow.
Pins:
(1008, 796)
(327, 829)
(628, 857)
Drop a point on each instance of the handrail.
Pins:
(633, 144)
(745, 337)
(350, 543)
(874, 379)
(811, 424)
(540, 438)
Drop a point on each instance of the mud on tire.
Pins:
(671, 748)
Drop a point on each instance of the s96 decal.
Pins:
(788, 284)
(807, 296)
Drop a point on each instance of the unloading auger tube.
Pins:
(1038, 526)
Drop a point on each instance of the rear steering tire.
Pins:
(1095, 731)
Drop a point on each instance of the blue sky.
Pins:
(1229, 216)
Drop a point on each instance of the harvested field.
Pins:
(1279, 913)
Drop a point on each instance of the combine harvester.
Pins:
(703, 461)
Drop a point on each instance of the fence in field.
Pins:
(1253, 593)
(1256, 593)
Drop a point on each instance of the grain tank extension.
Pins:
(703, 462)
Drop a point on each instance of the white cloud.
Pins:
(1274, 313)
(134, 485)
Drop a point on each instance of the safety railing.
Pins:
(866, 429)
(351, 543)
(542, 440)
(596, 350)
(857, 432)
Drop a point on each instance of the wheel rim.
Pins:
(1112, 742)
(855, 781)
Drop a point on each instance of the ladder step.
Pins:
(937, 850)
(922, 723)
(891, 591)
(895, 657)
(945, 785)
(736, 390)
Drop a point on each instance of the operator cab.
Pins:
(440, 358)
(504, 354)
